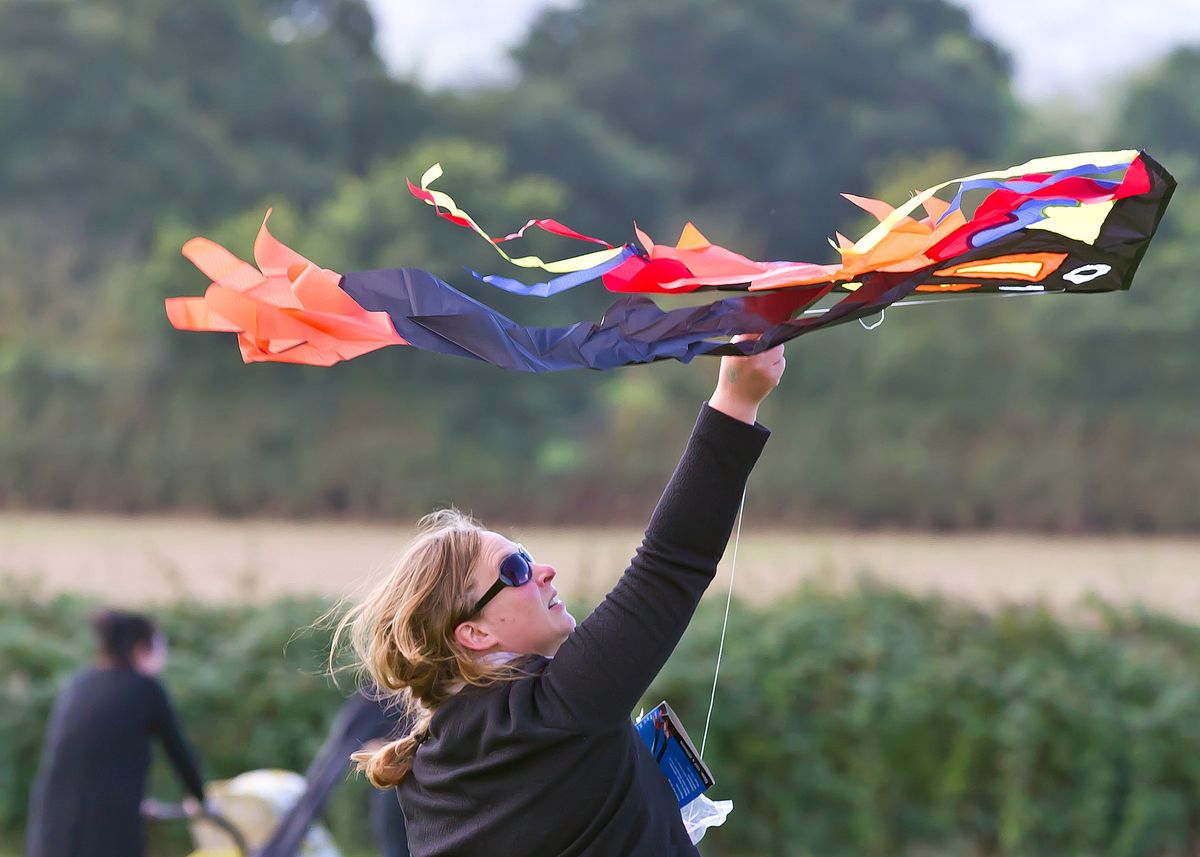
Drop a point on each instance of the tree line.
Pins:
(131, 125)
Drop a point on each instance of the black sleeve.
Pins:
(607, 663)
(166, 726)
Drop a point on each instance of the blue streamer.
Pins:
(558, 284)
(1019, 186)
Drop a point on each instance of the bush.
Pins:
(869, 722)
(881, 723)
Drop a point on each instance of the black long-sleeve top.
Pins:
(92, 777)
(550, 764)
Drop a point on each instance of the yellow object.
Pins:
(254, 803)
(1081, 222)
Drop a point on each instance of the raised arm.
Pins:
(166, 726)
(608, 662)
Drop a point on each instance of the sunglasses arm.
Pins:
(488, 596)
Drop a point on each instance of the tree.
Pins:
(772, 107)
(1161, 111)
(135, 111)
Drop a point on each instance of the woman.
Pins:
(92, 777)
(523, 743)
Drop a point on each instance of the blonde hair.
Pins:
(402, 635)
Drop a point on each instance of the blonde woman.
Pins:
(523, 743)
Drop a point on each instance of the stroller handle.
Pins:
(160, 811)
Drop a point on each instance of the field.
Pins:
(148, 560)
(1075, 698)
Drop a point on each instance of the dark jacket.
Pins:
(92, 776)
(550, 764)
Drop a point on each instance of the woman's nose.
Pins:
(545, 573)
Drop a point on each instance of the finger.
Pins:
(772, 355)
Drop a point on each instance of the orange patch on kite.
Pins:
(287, 310)
(949, 287)
(1019, 266)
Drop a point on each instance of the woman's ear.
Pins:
(471, 636)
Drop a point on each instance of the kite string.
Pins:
(882, 316)
(946, 300)
(737, 538)
(725, 624)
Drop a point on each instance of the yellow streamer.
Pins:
(1051, 164)
(560, 266)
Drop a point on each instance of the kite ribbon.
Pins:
(447, 208)
(558, 284)
(1054, 163)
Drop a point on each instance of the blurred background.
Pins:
(970, 575)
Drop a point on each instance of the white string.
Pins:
(729, 600)
(882, 316)
(943, 300)
(742, 508)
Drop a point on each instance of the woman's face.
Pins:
(529, 620)
(150, 658)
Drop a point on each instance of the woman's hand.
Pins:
(745, 381)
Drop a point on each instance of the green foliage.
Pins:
(1161, 109)
(136, 111)
(131, 125)
(869, 722)
(879, 723)
(772, 107)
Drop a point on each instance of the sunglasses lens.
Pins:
(516, 570)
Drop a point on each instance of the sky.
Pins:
(1059, 47)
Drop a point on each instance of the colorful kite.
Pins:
(1074, 223)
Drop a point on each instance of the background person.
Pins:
(92, 776)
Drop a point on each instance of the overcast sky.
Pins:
(1059, 46)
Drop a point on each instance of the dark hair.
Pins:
(118, 633)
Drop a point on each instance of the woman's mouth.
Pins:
(555, 602)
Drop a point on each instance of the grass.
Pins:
(147, 560)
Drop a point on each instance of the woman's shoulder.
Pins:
(136, 682)
(473, 702)
(100, 676)
(473, 721)
(94, 683)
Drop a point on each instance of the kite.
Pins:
(1066, 224)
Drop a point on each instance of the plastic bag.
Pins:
(701, 814)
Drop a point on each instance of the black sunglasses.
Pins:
(516, 569)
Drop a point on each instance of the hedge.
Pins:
(864, 722)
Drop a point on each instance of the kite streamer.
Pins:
(1072, 223)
